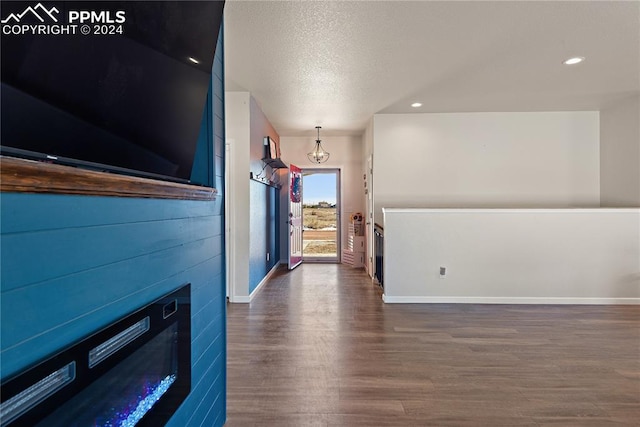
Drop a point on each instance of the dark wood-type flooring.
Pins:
(317, 347)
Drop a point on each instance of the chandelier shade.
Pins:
(319, 154)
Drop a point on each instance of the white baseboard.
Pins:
(509, 300)
(247, 299)
(264, 281)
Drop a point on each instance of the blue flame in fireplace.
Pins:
(129, 416)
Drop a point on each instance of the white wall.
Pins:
(548, 159)
(346, 155)
(260, 127)
(620, 153)
(238, 122)
(246, 126)
(580, 256)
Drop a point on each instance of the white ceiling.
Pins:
(336, 63)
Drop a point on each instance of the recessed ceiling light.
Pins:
(194, 60)
(416, 104)
(573, 61)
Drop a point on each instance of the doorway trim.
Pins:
(338, 258)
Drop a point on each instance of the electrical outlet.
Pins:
(443, 272)
(268, 256)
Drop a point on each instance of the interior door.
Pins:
(368, 191)
(295, 216)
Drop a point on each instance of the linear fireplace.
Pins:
(136, 371)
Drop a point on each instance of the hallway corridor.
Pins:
(317, 347)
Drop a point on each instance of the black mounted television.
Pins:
(114, 86)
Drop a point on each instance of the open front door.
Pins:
(295, 216)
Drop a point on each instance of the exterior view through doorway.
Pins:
(321, 215)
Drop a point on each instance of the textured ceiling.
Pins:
(336, 63)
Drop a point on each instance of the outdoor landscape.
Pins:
(319, 225)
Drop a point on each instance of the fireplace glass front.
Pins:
(135, 372)
(127, 392)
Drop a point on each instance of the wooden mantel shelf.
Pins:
(27, 176)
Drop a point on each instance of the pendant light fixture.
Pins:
(318, 155)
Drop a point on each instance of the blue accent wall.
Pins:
(73, 264)
(263, 232)
(263, 200)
